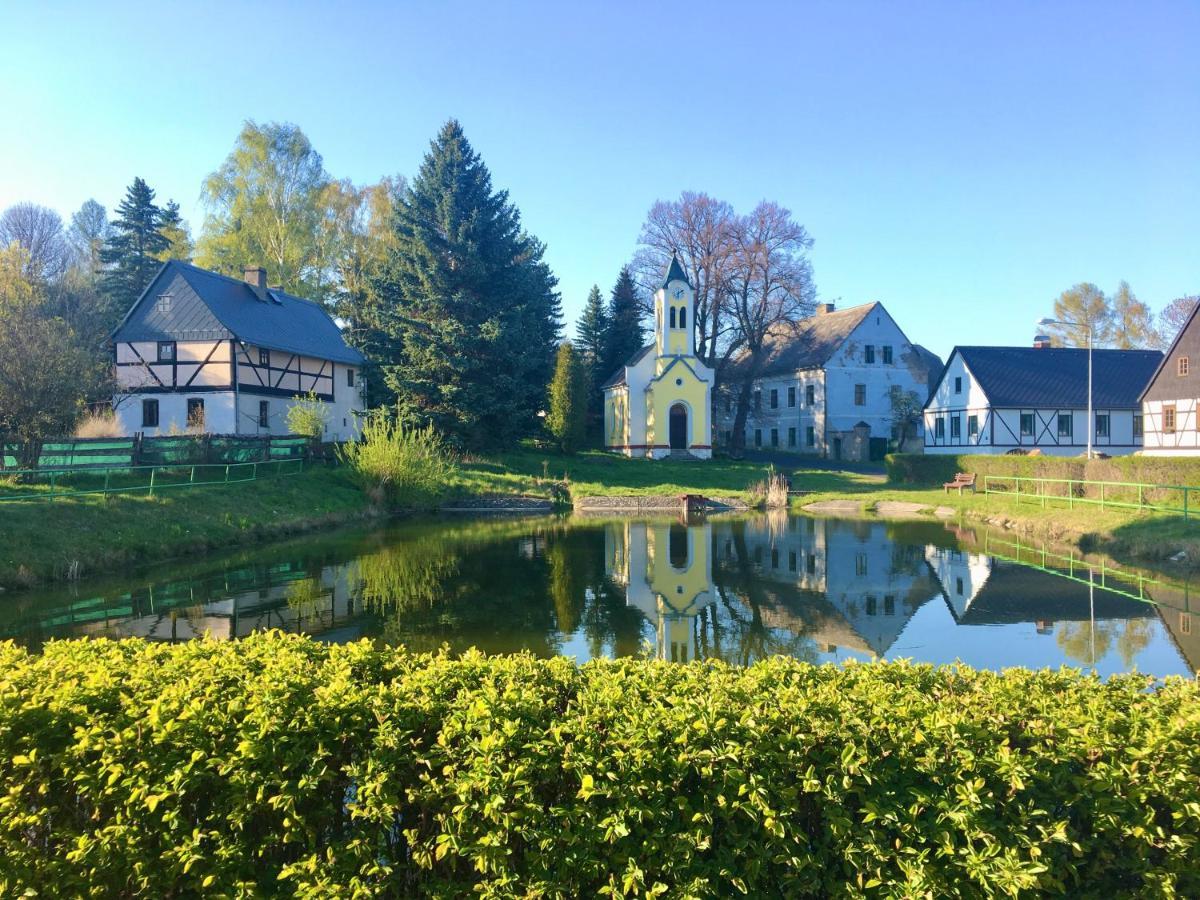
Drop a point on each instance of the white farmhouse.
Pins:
(206, 352)
(1171, 400)
(825, 388)
(999, 399)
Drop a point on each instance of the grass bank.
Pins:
(1123, 534)
(75, 536)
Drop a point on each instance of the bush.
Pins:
(308, 416)
(281, 765)
(98, 424)
(399, 464)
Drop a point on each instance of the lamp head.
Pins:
(1046, 320)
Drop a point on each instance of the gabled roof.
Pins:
(1170, 350)
(675, 273)
(809, 343)
(216, 307)
(618, 377)
(1056, 377)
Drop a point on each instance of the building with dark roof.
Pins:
(825, 386)
(998, 399)
(205, 352)
(1171, 400)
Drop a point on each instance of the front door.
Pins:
(679, 427)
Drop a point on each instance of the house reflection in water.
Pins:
(666, 571)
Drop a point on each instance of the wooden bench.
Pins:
(961, 480)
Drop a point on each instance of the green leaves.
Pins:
(276, 765)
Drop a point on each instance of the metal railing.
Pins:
(51, 484)
(1072, 491)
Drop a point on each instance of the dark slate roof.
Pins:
(618, 377)
(1056, 377)
(208, 306)
(675, 272)
(810, 342)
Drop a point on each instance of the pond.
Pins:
(737, 589)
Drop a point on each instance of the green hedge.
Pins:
(278, 765)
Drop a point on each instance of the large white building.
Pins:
(999, 399)
(825, 388)
(203, 352)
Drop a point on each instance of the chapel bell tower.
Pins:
(674, 328)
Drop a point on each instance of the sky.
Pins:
(963, 162)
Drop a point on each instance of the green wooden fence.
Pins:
(1169, 498)
(99, 453)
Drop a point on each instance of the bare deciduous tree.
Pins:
(88, 232)
(1174, 316)
(771, 287)
(39, 231)
(701, 229)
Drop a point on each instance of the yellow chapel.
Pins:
(659, 403)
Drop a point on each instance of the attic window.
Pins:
(1182, 365)
(163, 305)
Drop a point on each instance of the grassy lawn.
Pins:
(593, 473)
(66, 537)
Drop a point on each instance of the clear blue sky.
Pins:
(962, 162)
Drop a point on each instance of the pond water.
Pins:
(737, 589)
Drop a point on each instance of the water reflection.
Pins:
(737, 589)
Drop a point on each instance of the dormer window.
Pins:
(163, 304)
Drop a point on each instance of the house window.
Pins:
(889, 605)
(792, 560)
(149, 413)
(350, 381)
(264, 357)
(872, 606)
(791, 437)
(958, 586)
(887, 355)
(195, 412)
(860, 395)
(163, 305)
(264, 413)
(757, 437)
(1137, 424)
(1026, 424)
(774, 398)
(1181, 365)
(939, 427)
(757, 400)
(810, 564)
(955, 427)
(972, 426)
(1065, 426)
(791, 397)
(958, 385)
(869, 354)
(774, 437)
(1102, 425)
(860, 564)
(810, 395)
(166, 351)
(1168, 420)
(774, 557)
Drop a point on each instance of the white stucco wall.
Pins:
(1184, 441)
(172, 412)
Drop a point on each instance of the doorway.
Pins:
(678, 428)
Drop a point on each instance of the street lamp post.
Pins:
(1091, 426)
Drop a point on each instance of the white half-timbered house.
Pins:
(205, 352)
(1171, 400)
(999, 399)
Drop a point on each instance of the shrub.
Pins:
(400, 464)
(282, 765)
(308, 416)
(98, 424)
(771, 491)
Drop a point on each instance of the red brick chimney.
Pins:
(256, 276)
(825, 308)
(1041, 342)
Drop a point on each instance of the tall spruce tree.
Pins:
(131, 253)
(590, 335)
(468, 312)
(175, 230)
(624, 336)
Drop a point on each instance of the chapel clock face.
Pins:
(678, 293)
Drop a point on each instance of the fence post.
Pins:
(152, 471)
(107, 474)
(1185, 504)
(137, 449)
(227, 474)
